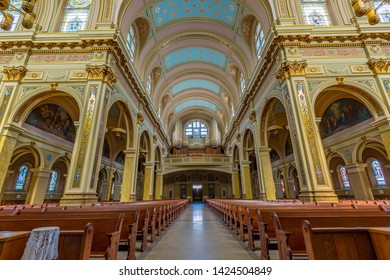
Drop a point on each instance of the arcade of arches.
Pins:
(135, 100)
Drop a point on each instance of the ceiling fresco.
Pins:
(168, 10)
(196, 103)
(196, 84)
(193, 54)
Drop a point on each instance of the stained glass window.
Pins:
(130, 43)
(53, 181)
(378, 173)
(384, 11)
(17, 4)
(21, 179)
(316, 12)
(75, 15)
(242, 83)
(344, 177)
(196, 129)
(259, 39)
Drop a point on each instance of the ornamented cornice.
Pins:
(140, 118)
(291, 68)
(379, 66)
(101, 72)
(14, 74)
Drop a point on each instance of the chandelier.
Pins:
(7, 8)
(367, 7)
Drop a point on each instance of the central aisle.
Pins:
(198, 235)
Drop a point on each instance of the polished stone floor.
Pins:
(198, 235)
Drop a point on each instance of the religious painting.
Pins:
(342, 114)
(53, 119)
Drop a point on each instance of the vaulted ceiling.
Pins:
(195, 52)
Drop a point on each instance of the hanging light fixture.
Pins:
(119, 131)
(367, 7)
(29, 16)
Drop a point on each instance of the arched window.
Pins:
(316, 12)
(149, 84)
(130, 42)
(344, 177)
(196, 129)
(383, 12)
(378, 172)
(242, 83)
(53, 181)
(259, 39)
(21, 179)
(16, 15)
(75, 15)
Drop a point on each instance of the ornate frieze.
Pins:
(14, 74)
(379, 66)
(101, 72)
(291, 68)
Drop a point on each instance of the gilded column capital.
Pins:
(291, 68)
(101, 72)
(140, 118)
(14, 74)
(379, 66)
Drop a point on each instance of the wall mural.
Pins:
(342, 114)
(53, 119)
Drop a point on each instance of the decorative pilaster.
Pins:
(310, 156)
(148, 181)
(86, 157)
(359, 181)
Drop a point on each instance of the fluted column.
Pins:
(38, 185)
(129, 175)
(266, 173)
(359, 181)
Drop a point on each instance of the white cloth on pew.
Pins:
(42, 244)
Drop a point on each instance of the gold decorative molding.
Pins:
(340, 80)
(291, 68)
(379, 66)
(154, 138)
(252, 116)
(53, 86)
(101, 72)
(140, 118)
(14, 74)
(238, 137)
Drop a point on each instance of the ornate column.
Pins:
(86, 157)
(129, 175)
(265, 168)
(308, 150)
(8, 140)
(236, 183)
(246, 180)
(159, 184)
(359, 181)
(38, 185)
(148, 181)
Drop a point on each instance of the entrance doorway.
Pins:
(197, 193)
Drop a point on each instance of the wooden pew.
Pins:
(340, 243)
(288, 227)
(106, 229)
(72, 244)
